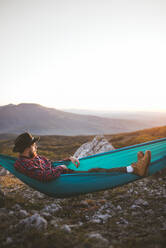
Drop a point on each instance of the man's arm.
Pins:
(43, 175)
(74, 160)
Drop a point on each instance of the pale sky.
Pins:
(88, 54)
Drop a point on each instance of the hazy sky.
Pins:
(92, 54)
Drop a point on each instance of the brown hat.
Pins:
(23, 141)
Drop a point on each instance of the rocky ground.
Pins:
(125, 217)
(130, 216)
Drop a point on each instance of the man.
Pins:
(40, 168)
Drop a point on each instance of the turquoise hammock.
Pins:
(81, 183)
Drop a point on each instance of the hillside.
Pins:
(48, 121)
(57, 146)
(127, 216)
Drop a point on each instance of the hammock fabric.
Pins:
(81, 183)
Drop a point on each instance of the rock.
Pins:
(98, 236)
(98, 218)
(23, 213)
(98, 145)
(16, 207)
(66, 228)
(135, 206)
(34, 221)
(54, 223)
(105, 212)
(119, 207)
(52, 208)
(3, 171)
(9, 240)
(39, 195)
(11, 212)
(46, 215)
(84, 203)
(141, 202)
(122, 221)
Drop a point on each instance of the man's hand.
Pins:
(75, 161)
(64, 166)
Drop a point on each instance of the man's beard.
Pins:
(32, 154)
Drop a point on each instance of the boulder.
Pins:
(3, 171)
(98, 145)
(34, 221)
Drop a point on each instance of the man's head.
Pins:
(31, 151)
(25, 144)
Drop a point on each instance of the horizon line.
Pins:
(88, 109)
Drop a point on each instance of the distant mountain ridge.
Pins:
(48, 121)
(155, 118)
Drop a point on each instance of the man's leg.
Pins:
(127, 169)
(120, 169)
(139, 168)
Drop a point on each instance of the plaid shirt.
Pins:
(39, 168)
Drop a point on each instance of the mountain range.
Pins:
(41, 120)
